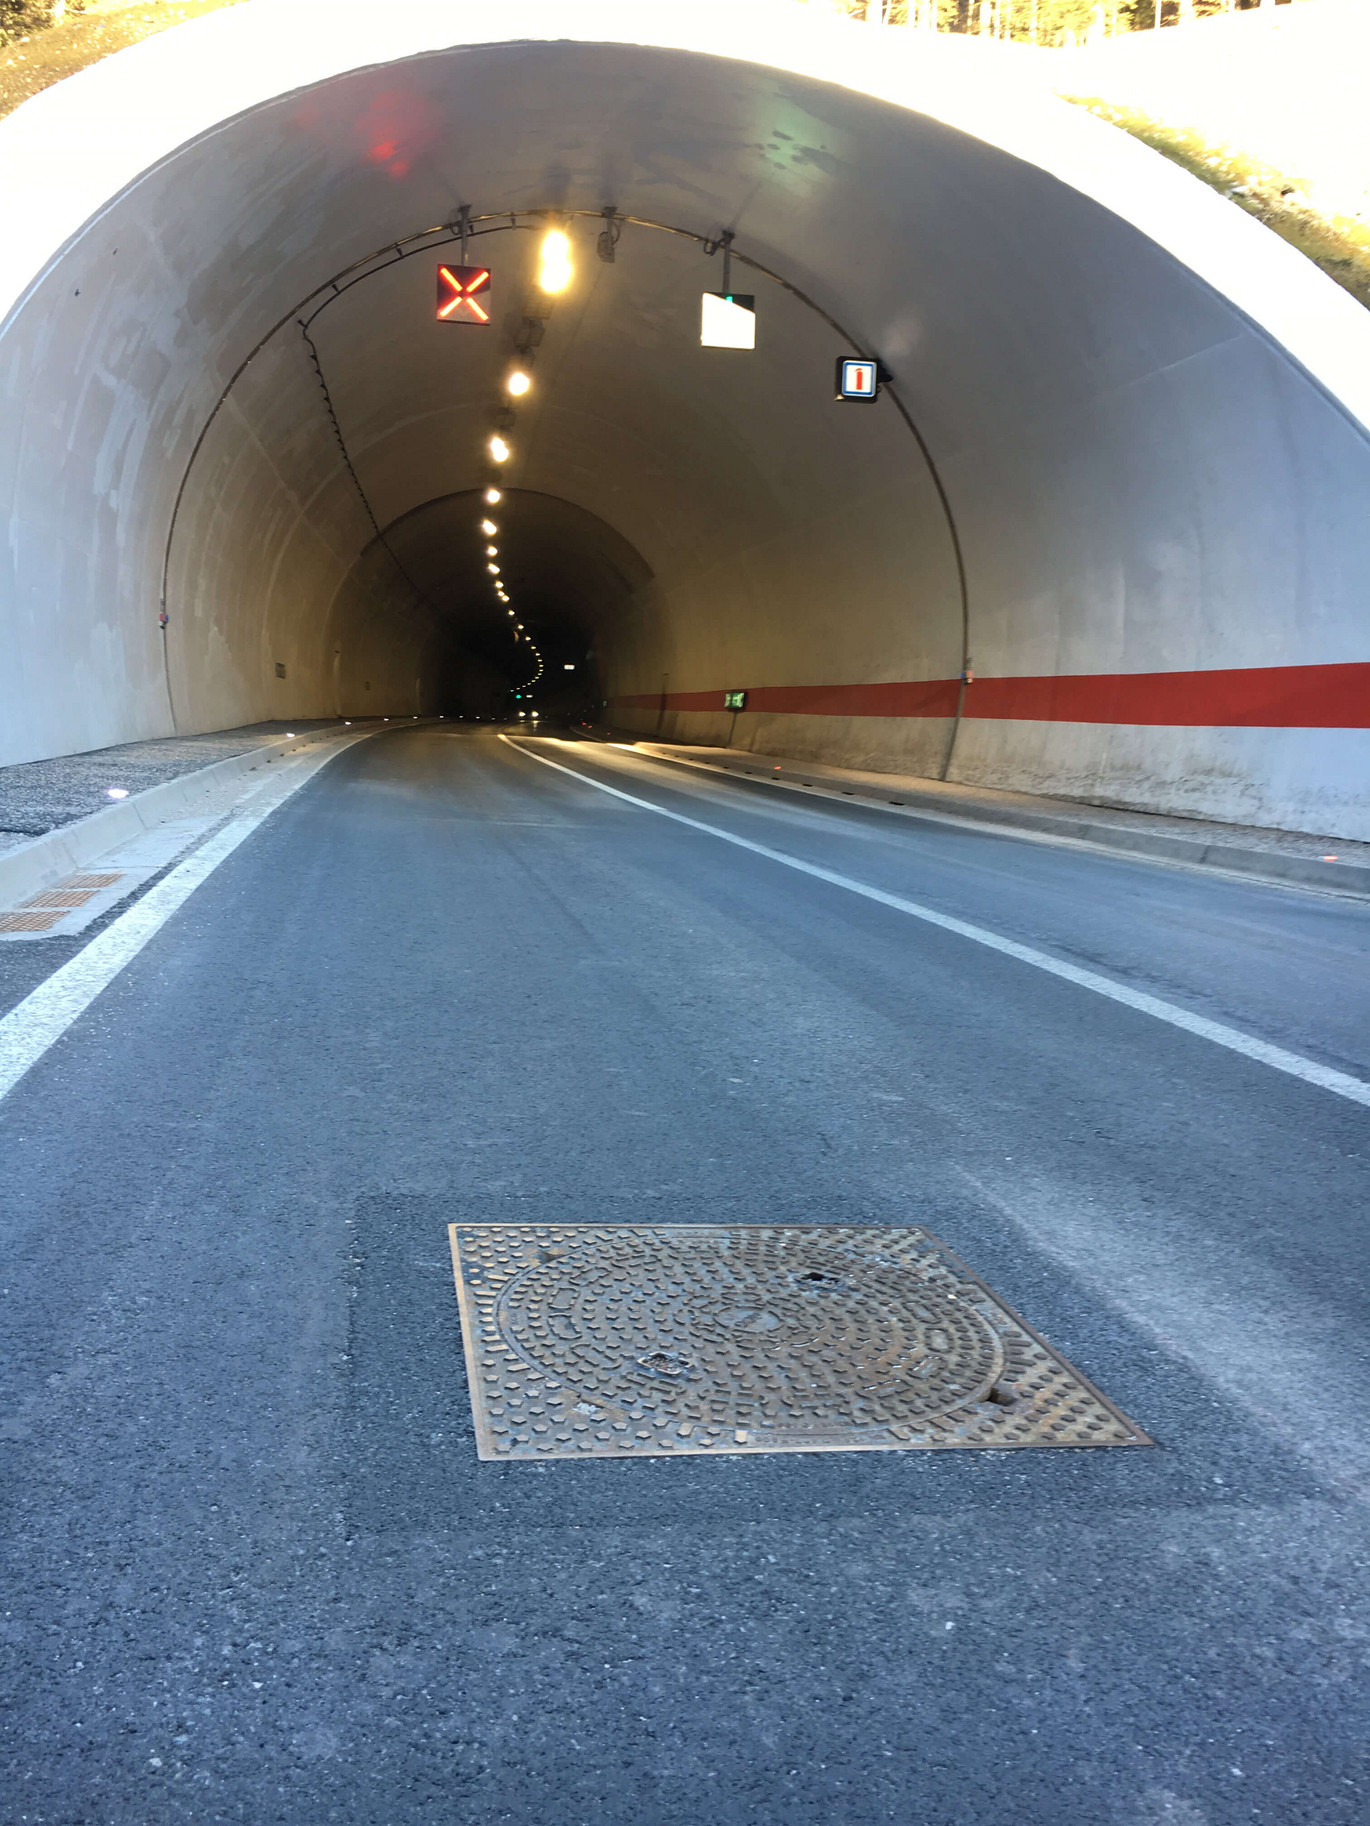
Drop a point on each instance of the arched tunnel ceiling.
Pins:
(640, 458)
(1108, 433)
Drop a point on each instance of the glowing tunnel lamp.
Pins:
(518, 382)
(489, 528)
(554, 261)
(492, 551)
(492, 495)
(499, 450)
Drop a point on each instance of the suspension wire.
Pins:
(347, 465)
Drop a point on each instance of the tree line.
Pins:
(1049, 22)
(1026, 21)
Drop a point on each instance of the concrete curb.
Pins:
(35, 865)
(1197, 852)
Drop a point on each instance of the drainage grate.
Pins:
(91, 882)
(29, 922)
(75, 891)
(62, 897)
(614, 1341)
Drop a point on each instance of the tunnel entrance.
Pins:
(601, 389)
(1098, 537)
(528, 635)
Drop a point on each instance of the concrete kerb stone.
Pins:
(1197, 852)
(33, 866)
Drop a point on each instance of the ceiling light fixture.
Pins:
(518, 383)
(554, 261)
(493, 495)
(499, 450)
(489, 528)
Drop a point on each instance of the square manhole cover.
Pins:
(659, 1339)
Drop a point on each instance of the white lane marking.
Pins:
(28, 1030)
(1341, 1084)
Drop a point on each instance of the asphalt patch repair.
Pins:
(590, 1340)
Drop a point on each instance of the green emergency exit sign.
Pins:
(734, 700)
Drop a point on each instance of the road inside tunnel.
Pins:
(256, 1570)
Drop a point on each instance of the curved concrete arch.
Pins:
(1157, 465)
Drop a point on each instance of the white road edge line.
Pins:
(1341, 1084)
(31, 1027)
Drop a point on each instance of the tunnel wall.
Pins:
(1147, 484)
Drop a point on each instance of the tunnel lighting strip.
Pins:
(425, 240)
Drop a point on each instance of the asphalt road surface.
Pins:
(253, 1570)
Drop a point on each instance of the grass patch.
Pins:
(1340, 245)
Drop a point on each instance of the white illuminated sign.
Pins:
(727, 320)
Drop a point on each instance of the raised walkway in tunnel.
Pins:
(1247, 849)
(41, 796)
(255, 1570)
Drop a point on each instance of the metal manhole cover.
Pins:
(616, 1340)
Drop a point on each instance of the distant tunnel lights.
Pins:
(493, 495)
(492, 551)
(554, 261)
(489, 528)
(499, 450)
(518, 382)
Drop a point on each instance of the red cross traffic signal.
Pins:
(459, 294)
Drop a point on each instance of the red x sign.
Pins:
(458, 294)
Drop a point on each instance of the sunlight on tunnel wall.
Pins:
(1143, 481)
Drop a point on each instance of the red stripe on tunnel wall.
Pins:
(1253, 697)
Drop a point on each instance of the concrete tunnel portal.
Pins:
(1100, 489)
